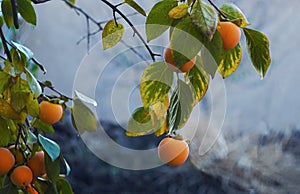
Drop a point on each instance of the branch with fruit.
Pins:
(204, 39)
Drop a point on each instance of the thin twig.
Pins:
(15, 13)
(4, 43)
(40, 1)
(54, 90)
(115, 9)
(216, 7)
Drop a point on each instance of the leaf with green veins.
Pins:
(20, 94)
(18, 61)
(231, 61)
(212, 54)
(185, 41)
(198, 79)
(158, 21)
(7, 12)
(259, 51)
(181, 105)
(179, 12)
(26, 51)
(136, 6)
(112, 34)
(234, 14)
(204, 17)
(5, 81)
(33, 83)
(139, 123)
(156, 82)
(27, 11)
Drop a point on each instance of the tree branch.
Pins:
(4, 43)
(216, 7)
(15, 13)
(116, 10)
(39, 1)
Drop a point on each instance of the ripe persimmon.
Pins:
(21, 176)
(7, 160)
(37, 164)
(50, 113)
(230, 33)
(172, 151)
(19, 157)
(171, 63)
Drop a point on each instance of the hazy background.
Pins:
(252, 106)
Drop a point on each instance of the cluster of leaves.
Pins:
(20, 95)
(193, 31)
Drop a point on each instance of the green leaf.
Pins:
(85, 98)
(185, 41)
(51, 148)
(212, 54)
(158, 20)
(72, 1)
(82, 116)
(5, 80)
(52, 168)
(112, 34)
(26, 51)
(181, 105)
(179, 11)
(27, 11)
(43, 126)
(139, 123)
(7, 12)
(203, 16)
(135, 6)
(158, 112)
(156, 82)
(259, 51)
(7, 111)
(33, 83)
(20, 94)
(64, 186)
(5, 133)
(234, 14)
(66, 165)
(1, 22)
(31, 138)
(32, 106)
(230, 61)
(18, 61)
(198, 79)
